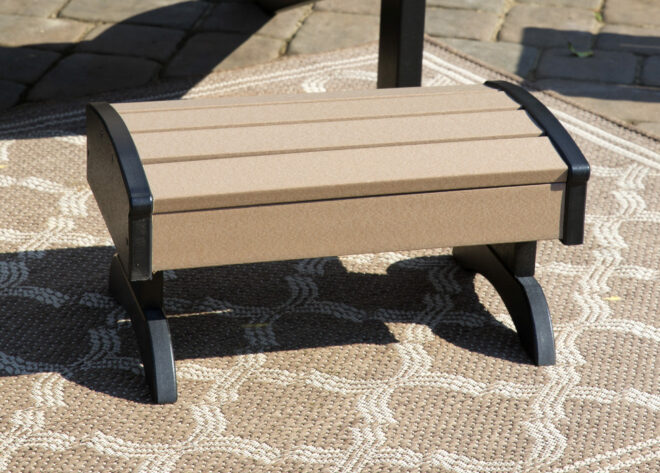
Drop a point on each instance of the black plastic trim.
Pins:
(578, 167)
(510, 268)
(111, 149)
(143, 300)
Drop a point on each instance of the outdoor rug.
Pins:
(394, 362)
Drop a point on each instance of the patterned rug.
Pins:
(394, 362)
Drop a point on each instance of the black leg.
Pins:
(143, 300)
(401, 43)
(510, 269)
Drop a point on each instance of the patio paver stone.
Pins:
(84, 74)
(132, 40)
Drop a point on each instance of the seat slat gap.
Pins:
(124, 110)
(321, 120)
(151, 161)
(349, 197)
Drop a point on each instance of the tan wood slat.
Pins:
(255, 180)
(233, 101)
(317, 111)
(362, 225)
(349, 134)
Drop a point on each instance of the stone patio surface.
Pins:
(604, 54)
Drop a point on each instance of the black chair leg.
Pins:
(510, 269)
(143, 300)
(401, 44)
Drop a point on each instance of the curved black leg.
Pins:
(143, 300)
(510, 269)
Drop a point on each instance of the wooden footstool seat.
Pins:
(191, 183)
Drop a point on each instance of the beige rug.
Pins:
(368, 363)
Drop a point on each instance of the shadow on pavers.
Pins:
(609, 69)
(87, 67)
(58, 316)
(154, 47)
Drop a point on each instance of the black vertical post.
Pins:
(401, 43)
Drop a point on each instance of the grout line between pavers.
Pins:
(64, 53)
(188, 33)
(57, 13)
(508, 5)
(91, 25)
(639, 65)
(600, 23)
(301, 22)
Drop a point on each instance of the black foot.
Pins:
(143, 300)
(510, 269)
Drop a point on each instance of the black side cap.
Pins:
(139, 193)
(578, 167)
(111, 151)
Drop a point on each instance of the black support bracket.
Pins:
(143, 300)
(510, 269)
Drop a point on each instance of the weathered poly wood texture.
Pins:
(246, 179)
